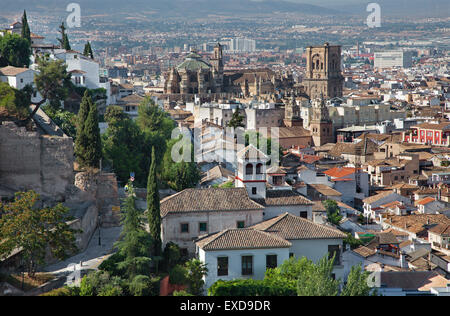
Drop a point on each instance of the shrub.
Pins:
(178, 275)
(181, 293)
(250, 287)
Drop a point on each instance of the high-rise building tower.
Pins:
(323, 72)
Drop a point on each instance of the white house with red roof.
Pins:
(353, 183)
(429, 205)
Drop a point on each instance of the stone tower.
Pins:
(323, 72)
(217, 63)
(321, 126)
(292, 115)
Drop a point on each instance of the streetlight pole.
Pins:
(99, 227)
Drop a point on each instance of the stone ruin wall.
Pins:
(30, 161)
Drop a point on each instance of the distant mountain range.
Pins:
(199, 8)
(171, 7)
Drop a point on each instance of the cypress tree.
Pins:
(64, 40)
(93, 149)
(26, 33)
(81, 141)
(88, 51)
(153, 206)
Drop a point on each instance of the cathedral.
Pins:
(195, 76)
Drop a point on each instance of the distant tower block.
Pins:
(323, 72)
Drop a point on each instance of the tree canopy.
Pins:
(33, 230)
(14, 51)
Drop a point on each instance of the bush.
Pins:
(181, 293)
(250, 287)
(178, 275)
(64, 291)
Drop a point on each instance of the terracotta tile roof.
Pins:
(444, 126)
(417, 280)
(418, 222)
(373, 199)
(318, 207)
(426, 200)
(364, 251)
(242, 239)
(340, 172)
(283, 198)
(212, 199)
(292, 227)
(12, 71)
(325, 190)
(441, 229)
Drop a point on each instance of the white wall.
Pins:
(217, 221)
(235, 263)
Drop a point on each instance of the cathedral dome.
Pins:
(194, 62)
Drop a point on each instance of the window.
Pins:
(259, 168)
(335, 250)
(185, 228)
(254, 191)
(304, 214)
(222, 266)
(271, 261)
(291, 255)
(203, 227)
(247, 265)
(249, 169)
(240, 224)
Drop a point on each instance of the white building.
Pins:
(390, 59)
(19, 78)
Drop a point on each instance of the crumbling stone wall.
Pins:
(30, 161)
(101, 188)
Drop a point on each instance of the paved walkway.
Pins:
(93, 256)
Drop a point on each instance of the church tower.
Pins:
(251, 172)
(217, 63)
(321, 126)
(292, 115)
(323, 72)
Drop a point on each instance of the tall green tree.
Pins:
(317, 280)
(82, 141)
(88, 51)
(35, 230)
(14, 51)
(93, 150)
(123, 145)
(64, 40)
(135, 242)
(52, 82)
(26, 33)
(153, 206)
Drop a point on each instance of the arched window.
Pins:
(259, 168)
(249, 169)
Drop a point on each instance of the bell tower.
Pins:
(321, 126)
(217, 63)
(251, 172)
(323, 72)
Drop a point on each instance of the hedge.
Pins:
(251, 287)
